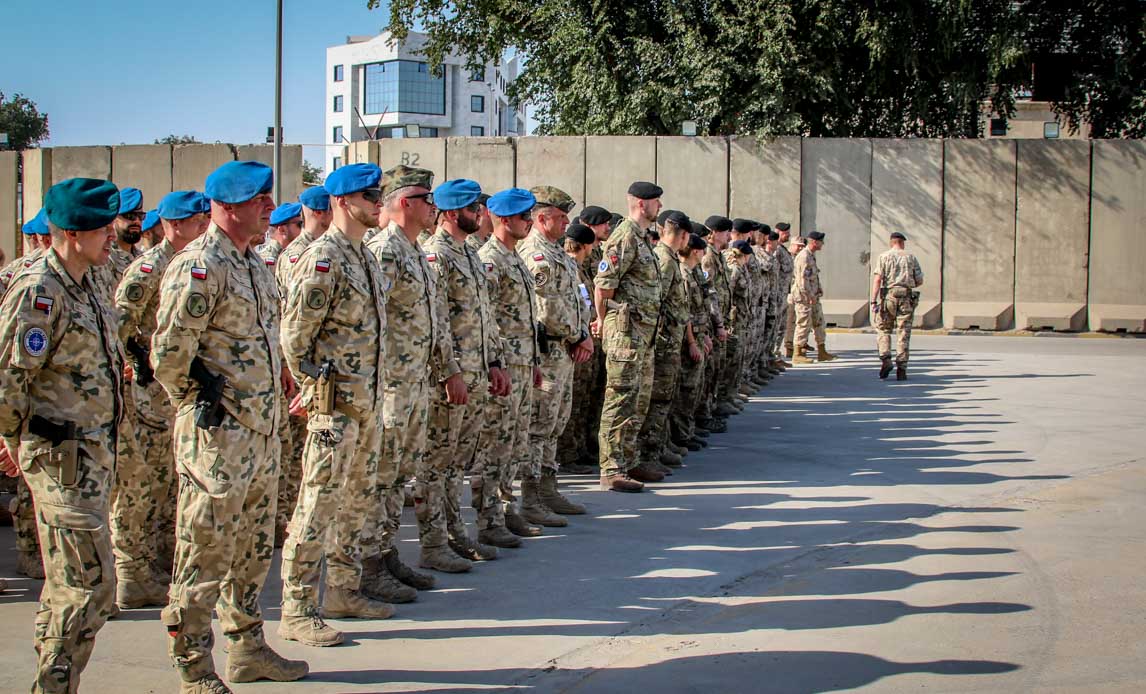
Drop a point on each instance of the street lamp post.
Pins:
(278, 161)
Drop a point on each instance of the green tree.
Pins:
(311, 174)
(23, 123)
(178, 140)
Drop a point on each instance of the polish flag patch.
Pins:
(322, 265)
(27, 263)
(43, 303)
(489, 267)
(614, 259)
(270, 262)
(146, 268)
(432, 258)
(293, 259)
(538, 257)
(199, 273)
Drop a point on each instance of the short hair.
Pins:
(572, 246)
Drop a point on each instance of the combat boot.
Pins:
(578, 468)
(693, 445)
(534, 511)
(726, 409)
(823, 354)
(343, 603)
(801, 356)
(645, 473)
(701, 432)
(658, 466)
(378, 583)
(29, 564)
(718, 426)
(901, 372)
(551, 497)
(788, 350)
(517, 525)
(677, 448)
(671, 459)
(442, 558)
(253, 662)
(465, 547)
(619, 482)
(130, 594)
(498, 536)
(207, 684)
(308, 629)
(884, 367)
(406, 574)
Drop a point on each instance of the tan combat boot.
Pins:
(208, 684)
(378, 583)
(823, 354)
(442, 558)
(532, 508)
(620, 482)
(309, 629)
(801, 356)
(552, 498)
(250, 662)
(517, 525)
(498, 536)
(131, 594)
(465, 547)
(29, 564)
(343, 603)
(788, 350)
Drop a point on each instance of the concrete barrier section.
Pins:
(764, 180)
(1052, 234)
(9, 207)
(488, 160)
(291, 165)
(907, 196)
(612, 164)
(362, 153)
(553, 161)
(147, 167)
(82, 162)
(979, 234)
(37, 179)
(836, 199)
(694, 174)
(1117, 238)
(422, 152)
(191, 164)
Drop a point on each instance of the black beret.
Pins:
(696, 243)
(677, 217)
(580, 233)
(898, 235)
(743, 226)
(594, 215)
(615, 220)
(743, 247)
(783, 226)
(645, 190)
(663, 216)
(773, 236)
(718, 223)
(483, 198)
(816, 235)
(763, 229)
(700, 230)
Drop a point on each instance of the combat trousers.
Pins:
(666, 375)
(628, 387)
(503, 449)
(596, 400)
(897, 313)
(730, 383)
(159, 460)
(292, 435)
(132, 531)
(225, 531)
(453, 432)
(680, 418)
(24, 519)
(551, 406)
(573, 444)
(809, 317)
(789, 321)
(706, 400)
(79, 568)
(405, 416)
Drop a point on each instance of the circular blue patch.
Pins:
(35, 342)
(603, 266)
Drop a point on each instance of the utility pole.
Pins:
(278, 161)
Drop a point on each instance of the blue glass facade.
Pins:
(403, 86)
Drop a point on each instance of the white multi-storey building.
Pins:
(375, 90)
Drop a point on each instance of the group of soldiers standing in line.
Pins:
(177, 401)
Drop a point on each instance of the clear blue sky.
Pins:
(136, 70)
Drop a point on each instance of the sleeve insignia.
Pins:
(316, 298)
(199, 273)
(43, 303)
(603, 266)
(35, 342)
(322, 265)
(196, 305)
(134, 291)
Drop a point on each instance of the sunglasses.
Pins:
(428, 197)
(133, 216)
(372, 195)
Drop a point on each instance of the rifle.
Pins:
(208, 402)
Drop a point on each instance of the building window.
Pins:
(477, 131)
(998, 127)
(428, 132)
(338, 104)
(1050, 130)
(477, 103)
(404, 86)
(336, 163)
(337, 134)
(478, 75)
(337, 73)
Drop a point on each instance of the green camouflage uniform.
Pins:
(222, 306)
(691, 372)
(59, 360)
(714, 264)
(674, 317)
(768, 281)
(786, 264)
(739, 323)
(573, 444)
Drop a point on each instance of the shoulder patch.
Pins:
(431, 257)
(322, 265)
(538, 257)
(134, 291)
(705, 274)
(43, 303)
(614, 259)
(199, 273)
(35, 342)
(539, 279)
(196, 305)
(270, 262)
(316, 298)
(489, 267)
(603, 266)
(293, 259)
(146, 268)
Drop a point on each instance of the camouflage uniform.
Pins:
(786, 267)
(739, 322)
(691, 372)
(721, 298)
(60, 361)
(674, 317)
(221, 306)
(417, 351)
(573, 444)
(702, 411)
(337, 313)
(806, 293)
(901, 274)
(475, 242)
(463, 300)
(769, 279)
(507, 441)
(629, 267)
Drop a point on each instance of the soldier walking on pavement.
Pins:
(217, 354)
(331, 327)
(806, 294)
(60, 377)
(893, 300)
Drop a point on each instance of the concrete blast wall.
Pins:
(488, 160)
(191, 164)
(683, 162)
(9, 205)
(1118, 236)
(147, 167)
(291, 165)
(764, 180)
(423, 153)
(612, 164)
(552, 161)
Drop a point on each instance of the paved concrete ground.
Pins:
(977, 528)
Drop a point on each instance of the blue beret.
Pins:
(130, 199)
(37, 225)
(150, 220)
(456, 194)
(82, 204)
(316, 198)
(182, 204)
(510, 202)
(239, 181)
(352, 178)
(204, 203)
(285, 212)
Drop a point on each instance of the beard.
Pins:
(468, 225)
(130, 236)
(363, 217)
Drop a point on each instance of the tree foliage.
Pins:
(883, 68)
(174, 139)
(22, 121)
(311, 174)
